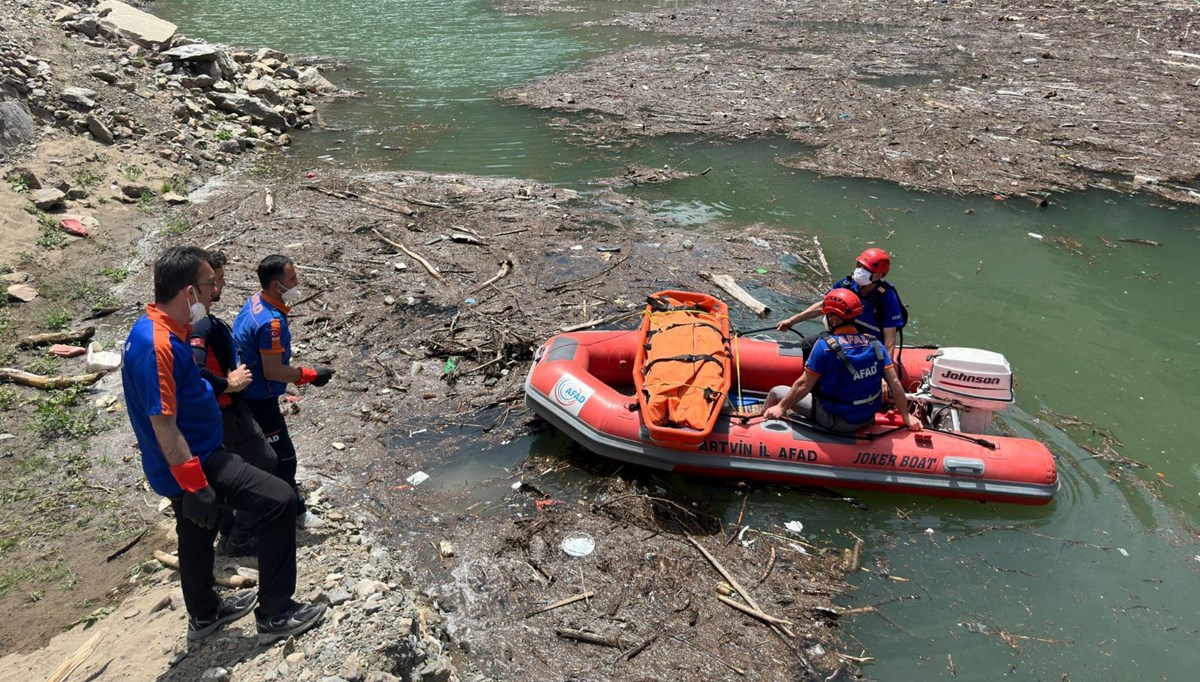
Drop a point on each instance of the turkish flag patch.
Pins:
(197, 341)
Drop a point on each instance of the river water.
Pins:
(1103, 581)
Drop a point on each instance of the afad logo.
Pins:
(571, 394)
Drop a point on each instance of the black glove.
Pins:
(324, 374)
(201, 508)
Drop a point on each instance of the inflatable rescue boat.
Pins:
(584, 384)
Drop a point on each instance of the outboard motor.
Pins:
(975, 383)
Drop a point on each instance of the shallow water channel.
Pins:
(1103, 581)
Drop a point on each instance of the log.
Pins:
(385, 205)
(728, 285)
(821, 256)
(562, 602)
(34, 340)
(235, 581)
(588, 638)
(413, 255)
(766, 618)
(733, 581)
(64, 670)
(16, 376)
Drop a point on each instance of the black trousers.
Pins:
(244, 438)
(270, 419)
(249, 489)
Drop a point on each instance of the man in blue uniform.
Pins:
(883, 313)
(264, 343)
(844, 373)
(215, 355)
(177, 423)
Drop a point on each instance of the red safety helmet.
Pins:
(842, 302)
(876, 261)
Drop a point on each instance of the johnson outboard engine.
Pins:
(968, 386)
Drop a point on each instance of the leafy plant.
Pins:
(43, 365)
(176, 225)
(59, 414)
(8, 398)
(87, 178)
(20, 184)
(51, 237)
(145, 203)
(223, 134)
(115, 275)
(132, 173)
(57, 319)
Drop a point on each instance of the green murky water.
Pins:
(1102, 582)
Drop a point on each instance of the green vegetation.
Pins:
(224, 134)
(176, 225)
(45, 365)
(145, 203)
(115, 275)
(8, 398)
(94, 292)
(61, 414)
(51, 237)
(20, 184)
(131, 173)
(87, 178)
(56, 320)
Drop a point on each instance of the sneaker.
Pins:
(297, 619)
(229, 610)
(233, 547)
(309, 520)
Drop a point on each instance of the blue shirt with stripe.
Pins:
(837, 388)
(261, 327)
(160, 377)
(893, 314)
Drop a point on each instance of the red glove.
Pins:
(190, 476)
(317, 376)
(307, 375)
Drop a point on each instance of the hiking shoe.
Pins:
(309, 520)
(235, 546)
(229, 610)
(297, 619)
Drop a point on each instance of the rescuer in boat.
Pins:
(843, 372)
(883, 313)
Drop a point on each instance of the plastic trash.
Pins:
(604, 248)
(101, 360)
(794, 527)
(578, 544)
(761, 271)
(417, 478)
(451, 364)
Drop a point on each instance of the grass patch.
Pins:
(44, 365)
(20, 184)
(115, 275)
(60, 414)
(92, 292)
(224, 134)
(13, 577)
(51, 237)
(131, 173)
(56, 320)
(8, 398)
(87, 177)
(145, 203)
(176, 225)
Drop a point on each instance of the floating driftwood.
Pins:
(730, 286)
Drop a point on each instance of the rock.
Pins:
(263, 89)
(294, 657)
(65, 14)
(336, 597)
(135, 190)
(200, 52)
(21, 293)
(353, 668)
(435, 670)
(99, 131)
(100, 73)
(366, 588)
(215, 674)
(14, 277)
(313, 81)
(134, 25)
(81, 96)
(24, 176)
(445, 548)
(174, 199)
(47, 199)
(16, 125)
(245, 105)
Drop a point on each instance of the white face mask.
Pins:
(825, 321)
(861, 276)
(197, 311)
(291, 295)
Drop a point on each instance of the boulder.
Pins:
(21, 293)
(245, 105)
(200, 52)
(134, 25)
(47, 199)
(25, 176)
(99, 131)
(263, 89)
(313, 81)
(16, 125)
(81, 96)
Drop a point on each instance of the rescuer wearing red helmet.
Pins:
(843, 371)
(883, 313)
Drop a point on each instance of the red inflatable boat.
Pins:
(582, 383)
